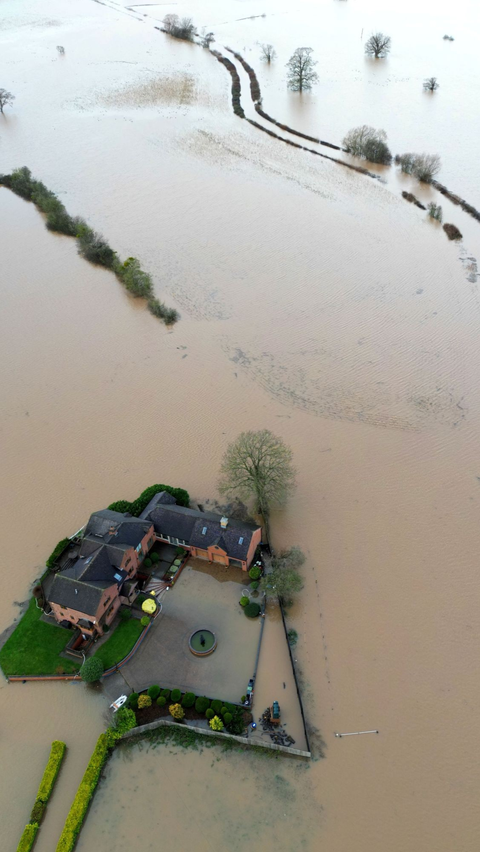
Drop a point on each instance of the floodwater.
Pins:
(314, 302)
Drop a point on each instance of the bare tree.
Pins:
(435, 211)
(300, 70)
(206, 38)
(6, 99)
(422, 166)
(368, 143)
(267, 53)
(430, 84)
(258, 465)
(60, 49)
(170, 21)
(378, 45)
(179, 27)
(281, 577)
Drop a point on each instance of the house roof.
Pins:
(114, 527)
(162, 497)
(203, 529)
(76, 594)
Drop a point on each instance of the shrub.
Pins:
(159, 310)
(252, 610)
(121, 506)
(254, 572)
(216, 705)
(227, 718)
(165, 693)
(144, 621)
(57, 217)
(202, 704)
(84, 793)
(244, 600)
(177, 711)
(209, 713)
(57, 551)
(125, 614)
(147, 562)
(368, 143)
(132, 276)
(144, 700)
(435, 211)
(153, 691)
(22, 183)
(216, 724)
(38, 811)
(176, 695)
(28, 837)
(92, 246)
(132, 700)
(254, 586)
(92, 670)
(57, 753)
(106, 628)
(155, 557)
(237, 724)
(161, 701)
(124, 720)
(292, 637)
(223, 711)
(422, 166)
(243, 698)
(452, 232)
(188, 699)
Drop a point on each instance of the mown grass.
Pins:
(120, 643)
(34, 647)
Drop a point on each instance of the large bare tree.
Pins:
(301, 73)
(268, 53)
(378, 45)
(258, 465)
(431, 84)
(6, 98)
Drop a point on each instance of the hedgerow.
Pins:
(56, 552)
(82, 798)
(28, 837)
(57, 753)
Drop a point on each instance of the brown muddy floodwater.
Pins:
(314, 302)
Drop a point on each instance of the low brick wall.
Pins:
(206, 732)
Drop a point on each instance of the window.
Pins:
(240, 540)
(139, 548)
(127, 561)
(204, 531)
(106, 602)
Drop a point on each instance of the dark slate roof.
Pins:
(189, 525)
(116, 527)
(75, 594)
(162, 497)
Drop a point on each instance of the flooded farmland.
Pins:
(314, 302)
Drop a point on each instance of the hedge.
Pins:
(56, 552)
(28, 837)
(82, 798)
(188, 699)
(57, 753)
(137, 506)
(176, 696)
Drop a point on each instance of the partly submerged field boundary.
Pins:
(292, 662)
(91, 245)
(84, 794)
(45, 790)
(206, 732)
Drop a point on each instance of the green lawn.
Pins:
(120, 642)
(34, 647)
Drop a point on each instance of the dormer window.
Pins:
(204, 531)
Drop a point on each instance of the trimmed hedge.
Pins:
(181, 496)
(28, 837)
(132, 700)
(161, 701)
(56, 552)
(209, 713)
(254, 572)
(121, 506)
(153, 691)
(84, 793)
(252, 610)
(57, 753)
(176, 696)
(165, 693)
(38, 811)
(216, 705)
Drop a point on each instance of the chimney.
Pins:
(224, 523)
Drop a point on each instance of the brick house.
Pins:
(204, 534)
(100, 574)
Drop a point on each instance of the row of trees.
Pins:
(371, 144)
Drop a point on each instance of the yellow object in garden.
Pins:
(149, 606)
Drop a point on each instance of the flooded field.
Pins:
(316, 303)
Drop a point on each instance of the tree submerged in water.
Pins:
(301, 74)
(378, 45)
(366, 142)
